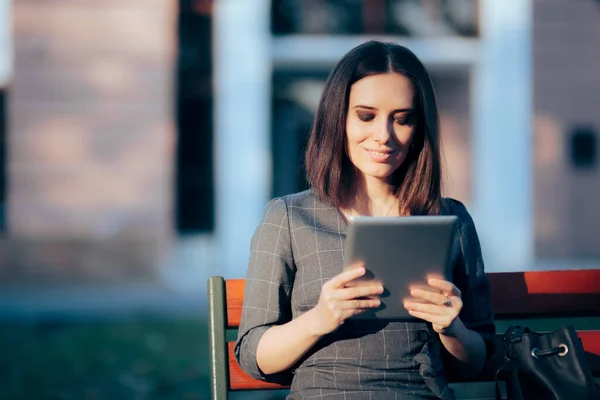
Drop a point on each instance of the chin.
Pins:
(379, 173)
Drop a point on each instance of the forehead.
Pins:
(390, 89)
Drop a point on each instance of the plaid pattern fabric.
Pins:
(298, 246)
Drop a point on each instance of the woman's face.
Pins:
(380, 124)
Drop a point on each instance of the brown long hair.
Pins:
(330, 173)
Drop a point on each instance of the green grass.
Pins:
(141, 358)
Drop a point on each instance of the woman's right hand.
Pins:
(339, 302)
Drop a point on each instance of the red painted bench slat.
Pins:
(513, 293)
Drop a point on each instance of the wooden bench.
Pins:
(541, 300)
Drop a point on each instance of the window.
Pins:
(414, 18)
(194, 118)
(3, 128)
(295, 98)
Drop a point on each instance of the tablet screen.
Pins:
(400, 253)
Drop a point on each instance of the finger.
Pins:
(444, 286)
(420, 315)
(432, 309)
(359, 291)
(442, 322)
(364, 303)
(434, 319)
(341, 279)
(352, 312)
(355, 264)
(432, 297)
(357, 311)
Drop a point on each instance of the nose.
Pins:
(383, 131)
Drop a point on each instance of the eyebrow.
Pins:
(374, 108)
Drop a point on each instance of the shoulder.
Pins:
(304, 199)
(280, 207)
(275, 206)
(455, 207)
(305, 209)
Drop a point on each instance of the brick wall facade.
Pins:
(90, 140)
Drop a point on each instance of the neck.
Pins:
(373, 197)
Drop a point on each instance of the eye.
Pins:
(405, 119)
(365, 116)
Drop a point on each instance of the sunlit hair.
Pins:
(330, 173)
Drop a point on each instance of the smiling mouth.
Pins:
(381, 153)
(380, 156)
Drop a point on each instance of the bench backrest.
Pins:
(542, 300)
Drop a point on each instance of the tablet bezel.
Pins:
(422, 242)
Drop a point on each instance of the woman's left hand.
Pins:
(441, 306)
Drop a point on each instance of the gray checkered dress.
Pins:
(300, 245)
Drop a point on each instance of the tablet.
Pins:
(399, 252)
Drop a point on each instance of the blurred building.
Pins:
(5, 73)
(144, 137)
(89, 143)
(566, 99)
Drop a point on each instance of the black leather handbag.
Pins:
(549, 366)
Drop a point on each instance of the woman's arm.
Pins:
(282, 346)
(267, 292)
(476, 314)
(466, 348)
(466, 328)
(269, 341)
(442, 308)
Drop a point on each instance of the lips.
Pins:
(380, 156)
(380, 153)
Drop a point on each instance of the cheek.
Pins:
(354, 134)
(404, 135)
(353, 130)
(400, 157)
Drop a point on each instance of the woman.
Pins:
(373, 150)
